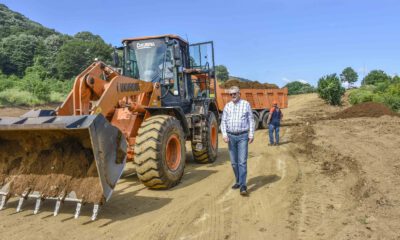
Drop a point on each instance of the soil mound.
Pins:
(248, 85)
(52, 164)
(367, 109)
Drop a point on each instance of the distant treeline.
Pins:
(38, 63)
(376, 86)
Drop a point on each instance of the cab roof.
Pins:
(154, 37)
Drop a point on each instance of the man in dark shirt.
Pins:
(274, 122)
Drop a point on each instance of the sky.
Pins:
(266, 40)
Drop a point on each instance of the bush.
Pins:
(330, 89)
(6, 83)
(56, 97)
(360, 95)
(16, 97)
(33, 84)
(59, 86)
(390, 97)
(297, 87)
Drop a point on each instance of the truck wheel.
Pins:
(256, 122)
(160, 152)
(208, 153)
(264, 120)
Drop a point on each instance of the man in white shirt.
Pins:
(237, 127)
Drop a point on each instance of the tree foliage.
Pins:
(222, 73)
(375, 77)
(330, 89)
(297, 87)
(76, 55)
(18, 52)
(24, 43)
(349, 76)
(13, 23)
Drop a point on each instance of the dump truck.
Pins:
(141, 111)
(260, 99)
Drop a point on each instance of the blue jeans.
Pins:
(273, 128)
(238, 150)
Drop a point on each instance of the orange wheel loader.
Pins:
(144, 113)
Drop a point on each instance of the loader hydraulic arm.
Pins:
(101, 89)
(122, 100)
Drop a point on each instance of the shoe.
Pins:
(276, 144)
(243, 191)
(235, 186)
(270, 144)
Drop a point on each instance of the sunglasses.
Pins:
(233, 94)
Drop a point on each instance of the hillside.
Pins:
(14, 23)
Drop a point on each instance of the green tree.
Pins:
(297, 87)
(87, 36)
(330, 89)
(222, 73)
(17, 53)
(374, 77)
(76, 55)
(396, 79)
(349, 75)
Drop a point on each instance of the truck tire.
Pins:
(256, 122)
(264, 120)
(208, 153)
(160, 152)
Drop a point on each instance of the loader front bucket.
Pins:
(64, 158)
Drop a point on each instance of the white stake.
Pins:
(78, 210)
(37, 205)
(57, 208)
(21, 201)
(95, 211)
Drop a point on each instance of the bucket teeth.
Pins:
(3, 202)
(20, 202)
(37, 205)
(4, 193)
(95, 211)
(78, 210)
(39, 198)
(57, 208)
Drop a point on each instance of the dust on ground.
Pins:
(329, 179)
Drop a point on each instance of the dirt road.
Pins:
(329, 179)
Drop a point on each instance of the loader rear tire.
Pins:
(209, 150)
(160, 152)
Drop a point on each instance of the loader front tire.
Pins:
(209, 150)
(160, 152)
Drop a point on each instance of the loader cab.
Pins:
(160, 59)
(166, 60)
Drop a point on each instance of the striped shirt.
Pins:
(237, 117)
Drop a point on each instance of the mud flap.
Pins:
(66, 158)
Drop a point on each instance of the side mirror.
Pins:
(115, 58)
